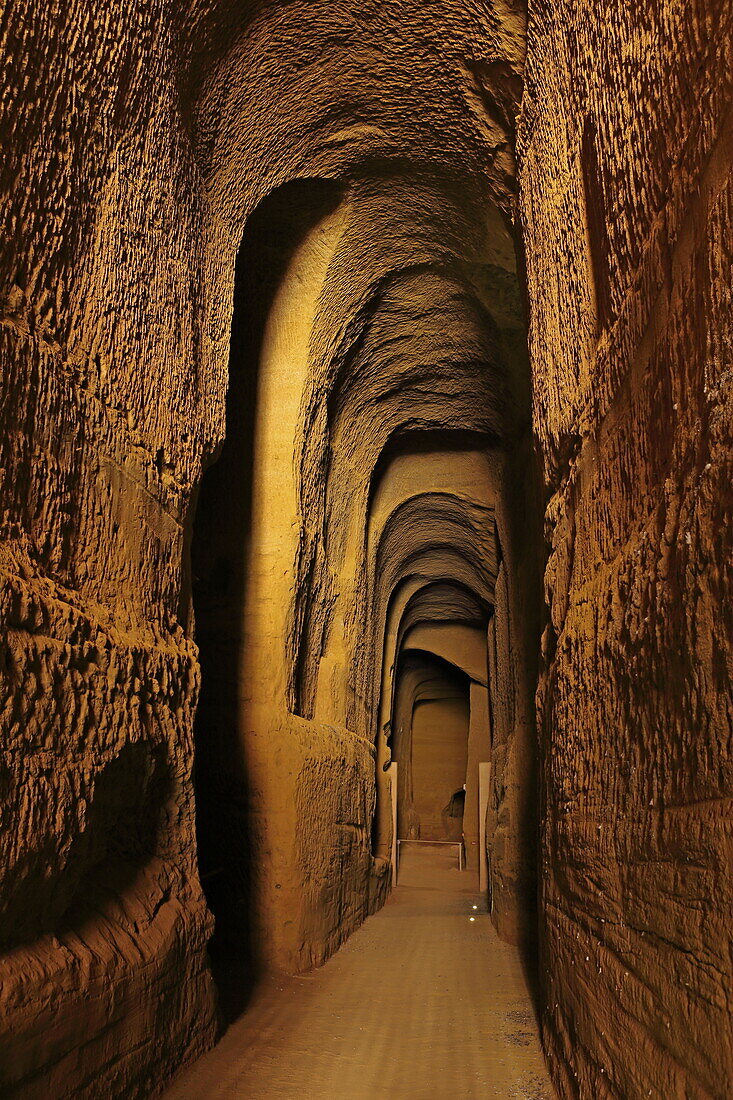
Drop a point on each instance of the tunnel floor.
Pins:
(421, 1002)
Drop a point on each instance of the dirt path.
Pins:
(422, 1002)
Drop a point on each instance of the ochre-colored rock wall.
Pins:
(104, 974)
(625, 154)
(143, 144)
(141, 140)
(439, 756)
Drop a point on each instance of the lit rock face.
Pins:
(374, 495)
(430, 739)
(628, 244)
(145, 145)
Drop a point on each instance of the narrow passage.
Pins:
(422, 1002)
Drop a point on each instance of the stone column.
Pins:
(478, 749)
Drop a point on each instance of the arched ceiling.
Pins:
(418, 329)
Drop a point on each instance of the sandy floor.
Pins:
(422, 1002)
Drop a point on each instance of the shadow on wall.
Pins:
(219, 553)
(120, 828)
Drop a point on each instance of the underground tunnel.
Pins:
(365, 544)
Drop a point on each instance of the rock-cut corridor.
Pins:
(366, 543)
(423, 1001)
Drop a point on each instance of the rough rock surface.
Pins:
(141, 143)
(366, 359)
(629, 246)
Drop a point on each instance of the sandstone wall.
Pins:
(104, 977)
(142, 139)
(625, 191)
(439, 756)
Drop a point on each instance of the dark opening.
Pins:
(219, 562)
(597, 225)
(430, 744)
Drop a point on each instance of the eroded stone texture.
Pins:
(366, 361)
(142, 142)
(628, 245)
(104, 976)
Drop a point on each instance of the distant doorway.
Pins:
(439, 759)
(430, 724)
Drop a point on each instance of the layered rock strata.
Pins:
(145, 149)
(266, 433)
(628, 244)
